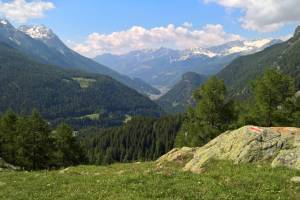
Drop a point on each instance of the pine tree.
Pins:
(271, 92)
(68, 151)
(8, 137)
(39, 143)
(212, 115)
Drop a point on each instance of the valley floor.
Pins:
(220, 180)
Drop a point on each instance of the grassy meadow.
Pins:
(220, 180)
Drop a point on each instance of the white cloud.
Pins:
(286, 37)
(22, 10)
(170, 36)
(264, 15)
(187, 24)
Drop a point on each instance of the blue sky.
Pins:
(75, 20)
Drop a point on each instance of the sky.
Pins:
(93, 27)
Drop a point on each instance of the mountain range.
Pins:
(178, 72)
(43, 45)
(239, 74)
(37, 71)
(284, 56)
(163, 68)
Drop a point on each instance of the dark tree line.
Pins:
(31, 143)
(140, 139)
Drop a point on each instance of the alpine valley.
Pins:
(196, 109)
(37, 71)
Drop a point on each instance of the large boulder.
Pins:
(277, 145)
(179, 156)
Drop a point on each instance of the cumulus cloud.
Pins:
(22, 10)
(264, 15)
(136, 38)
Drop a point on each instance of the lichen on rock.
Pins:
(180, 156)
(279, 146)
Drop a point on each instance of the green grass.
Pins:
(94, 116)
(84, 82)
(221, 180)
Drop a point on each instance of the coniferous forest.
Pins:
(141, 139)
(31, 143)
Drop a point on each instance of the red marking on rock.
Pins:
(256, 129)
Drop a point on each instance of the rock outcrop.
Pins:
(279, 146)
(179, 156)
(5, 165)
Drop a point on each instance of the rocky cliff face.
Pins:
(278, 146)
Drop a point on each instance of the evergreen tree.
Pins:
(108, 158)
(68, 151)
(296, 112)
(29, 142)
(212, 115)
(38, 142)
(271, 93)
(8, 137)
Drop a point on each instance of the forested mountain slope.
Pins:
(180, 96)
(58, 93)
(284, 56)
(43, 45)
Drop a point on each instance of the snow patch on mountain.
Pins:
(4, 22)
(249, 46)
(37, 32)
(235, 47)
(189, 53)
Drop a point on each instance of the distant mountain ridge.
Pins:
(179, 98)
(42, 44)
(164, 67)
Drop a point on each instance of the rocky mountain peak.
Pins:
(37, 31)
(4, 23)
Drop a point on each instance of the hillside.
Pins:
(71, 95)
(284, 56)
(43, 45)
(221, 180)
(180, 96)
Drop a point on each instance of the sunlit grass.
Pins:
(84, 82)
(221, 180)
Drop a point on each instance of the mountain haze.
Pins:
(164, 67)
